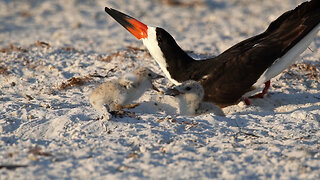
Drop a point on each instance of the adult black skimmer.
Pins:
(241, 70)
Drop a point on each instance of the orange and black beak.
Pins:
(135, 27)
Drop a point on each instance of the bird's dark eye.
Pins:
(149, 74)
(188, 88)
(159, 39)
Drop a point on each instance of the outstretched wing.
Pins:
(262, 57)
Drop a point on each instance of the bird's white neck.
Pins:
(152, 45)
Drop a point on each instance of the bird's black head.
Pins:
(164, 38)
(169, 47)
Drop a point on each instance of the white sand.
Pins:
(55, 135)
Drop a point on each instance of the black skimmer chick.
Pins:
(240, 71)
(190, 94)
(115, 94)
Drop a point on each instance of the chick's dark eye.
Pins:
(188, 88)
(149, 74)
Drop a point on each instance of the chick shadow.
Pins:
(154, 107)
(132, 116)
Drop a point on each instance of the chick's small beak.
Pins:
(158, 76)
(173, 92)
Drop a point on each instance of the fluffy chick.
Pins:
(113, 95)
(190, 94)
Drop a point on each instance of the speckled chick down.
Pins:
(113, 94)
(190, 94)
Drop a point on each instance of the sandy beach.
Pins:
(53, 54)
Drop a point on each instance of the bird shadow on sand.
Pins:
(274, 102)
(207, 125)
